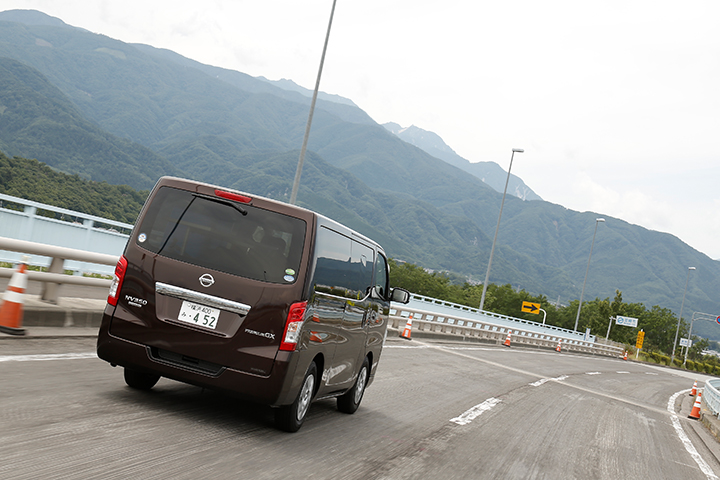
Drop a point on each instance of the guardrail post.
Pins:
(50, 290)
(29, 212)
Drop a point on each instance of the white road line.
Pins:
(545, 380)
(407, 346)
(475, 411)
(684, 438)
(592, 373)
(46, 357)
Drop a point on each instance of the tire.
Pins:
(350, 401)
(140, 380)
(291, 417)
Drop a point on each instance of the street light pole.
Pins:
(492, 250)
(582, 292)
(677, 330)
(708, 316)
(301, 160)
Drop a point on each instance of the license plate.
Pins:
(199, 314)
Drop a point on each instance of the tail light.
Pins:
(117, 280)
(294, 321)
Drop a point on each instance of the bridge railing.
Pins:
(51, 280)
(22, 219)
(711, 396)
(467, 327)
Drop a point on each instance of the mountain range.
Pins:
(124, 113)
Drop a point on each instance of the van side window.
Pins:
(362, 264)
(343, 266)
(381, 276)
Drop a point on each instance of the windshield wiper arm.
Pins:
(223, 202)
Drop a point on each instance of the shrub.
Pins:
(663, 359)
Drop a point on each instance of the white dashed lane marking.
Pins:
(46, 357)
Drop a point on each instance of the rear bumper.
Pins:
(278, 388)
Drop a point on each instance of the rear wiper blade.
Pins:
(223, 202)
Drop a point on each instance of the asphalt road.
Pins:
(434, 411)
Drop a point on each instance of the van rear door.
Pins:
(210, 280)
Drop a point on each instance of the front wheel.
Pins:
(140, 380)
(350, 401)
(291, 417)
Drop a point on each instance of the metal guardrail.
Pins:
(442, 307)
(466, 327)
(711, 396)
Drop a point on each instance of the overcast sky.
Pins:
(616, 103)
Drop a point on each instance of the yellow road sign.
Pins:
(530, 307)
(640, 338)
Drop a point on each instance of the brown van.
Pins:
(254, 297)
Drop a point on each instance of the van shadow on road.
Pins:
(202, 406)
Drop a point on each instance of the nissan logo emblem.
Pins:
(206, 280)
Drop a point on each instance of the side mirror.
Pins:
(400, 295)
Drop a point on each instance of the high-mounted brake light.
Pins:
(233, 196)
(117, 280)
(294, 321)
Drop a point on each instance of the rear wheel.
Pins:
(140, 380)
(291, 417)
(350, 401)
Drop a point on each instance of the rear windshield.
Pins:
(214, 233)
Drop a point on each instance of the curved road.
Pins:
(434, 411)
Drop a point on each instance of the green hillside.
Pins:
(38, 121)
(106, 110)
(32, 180)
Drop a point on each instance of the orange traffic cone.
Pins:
(559, 347)
(693, 392)
(11, 310)
(695, 413)
(407, 331)
(507, 340)
(625, 356)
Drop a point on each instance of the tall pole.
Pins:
(582, 292)
(700, 315)
(301, 160)
(677, 330)
(492, 250)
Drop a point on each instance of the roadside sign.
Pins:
(685, 342)
(640, 338)
(626, 321)
(717, 319)
(530, 307)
